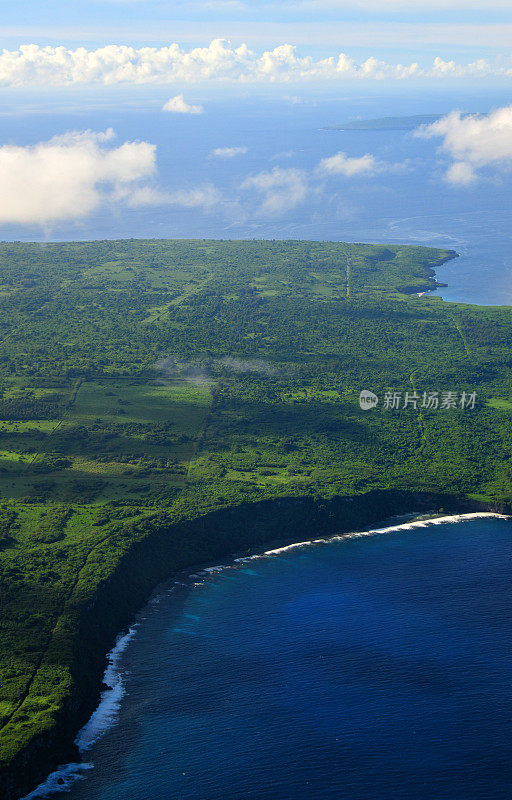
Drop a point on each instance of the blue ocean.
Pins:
(407, 201)
(373, 667)
(369, 668)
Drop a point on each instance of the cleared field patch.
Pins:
(120, 438)
(184, 404)
(13, 462)
(496, 402)
(126, 433)
(28, 425)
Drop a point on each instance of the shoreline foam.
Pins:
(101, 720)
(105, 715)
(405, 526)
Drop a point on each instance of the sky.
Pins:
(449, 27)
(58, 42)
(67, 67)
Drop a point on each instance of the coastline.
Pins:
(104, 715)
(161, 547)
(431, 276)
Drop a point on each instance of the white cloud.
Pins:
(75, 174)
(461, 174)
(295, 99)
(350, 166)
(229, 152)
(68, 177)
(281, 189)
(283, 154)
(32, 65)
(76, 137)
(178, 105)
(206, 197)
(341, 164)
(473, 142)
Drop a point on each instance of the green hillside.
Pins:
(147, 384)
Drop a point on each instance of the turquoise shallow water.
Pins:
(374, 668)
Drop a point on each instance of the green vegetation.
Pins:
(146, 384)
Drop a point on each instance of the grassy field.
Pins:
(143, 383)
(108, 430)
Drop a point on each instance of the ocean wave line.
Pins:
(405, 526)
(106, 713)
(99, 722)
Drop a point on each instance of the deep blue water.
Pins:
(375, 668)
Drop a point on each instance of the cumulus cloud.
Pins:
(178, 105)
(68, 177)
(350, 166)
(71, 176)
(50, 66)
(473, 141)
(282, 154)
(461, 174)
(341, 164)
(294, 100)
(281, 189)
(229, 152)
(205, 197)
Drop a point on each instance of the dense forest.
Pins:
(147, 385)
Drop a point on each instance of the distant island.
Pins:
(386, 123)
(168, 403)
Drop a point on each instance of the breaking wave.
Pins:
(99, 723)
(106, 714)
